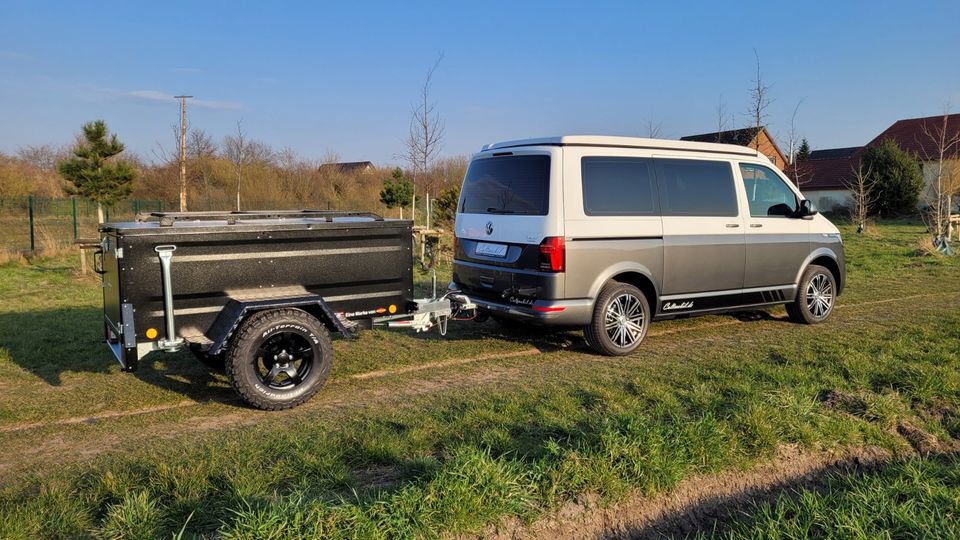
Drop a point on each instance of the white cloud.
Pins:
(14, 55)
(156, 96)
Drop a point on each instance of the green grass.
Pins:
(454, 449)
(917, 498)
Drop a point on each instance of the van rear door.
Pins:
(510, 204)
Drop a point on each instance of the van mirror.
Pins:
(807, 209)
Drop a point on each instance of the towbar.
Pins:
(172, 343)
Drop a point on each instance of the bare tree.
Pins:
(942, 151)
(236, 147)
(723, 117)
(793, 136)
(654, 129)
(861, 185)
(201, 150)
(759, 100)
(200, 145)
(426, 132)
(43, 157)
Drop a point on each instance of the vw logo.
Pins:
(489, 228)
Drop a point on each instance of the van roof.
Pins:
(626, 142)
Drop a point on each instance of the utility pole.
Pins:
(183, 152)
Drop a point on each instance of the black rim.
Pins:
(284, 360)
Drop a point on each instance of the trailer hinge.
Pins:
(119, 252)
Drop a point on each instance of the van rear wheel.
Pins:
(279, 359)
(621, 317)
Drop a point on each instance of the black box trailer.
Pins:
(257, 292)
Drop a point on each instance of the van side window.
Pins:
(767, 194)
(696, 188)
(618, 186)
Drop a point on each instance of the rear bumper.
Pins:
(576, 312)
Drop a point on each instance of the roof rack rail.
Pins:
(167, 219)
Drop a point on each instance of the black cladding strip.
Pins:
(608, 238)
(627, 146)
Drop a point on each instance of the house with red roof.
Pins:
(825, 176)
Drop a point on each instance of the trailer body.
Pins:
(347, 268)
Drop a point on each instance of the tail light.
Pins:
(454, 245)
(553, 254)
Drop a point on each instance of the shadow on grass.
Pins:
(710, 515)
(912, 498)
(49, 343)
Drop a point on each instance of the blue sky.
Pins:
(342, 77)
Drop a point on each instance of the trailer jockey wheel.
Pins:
(280, 358)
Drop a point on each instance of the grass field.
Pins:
(417, 435)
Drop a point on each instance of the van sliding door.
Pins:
(703, 233)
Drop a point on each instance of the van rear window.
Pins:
(507, 185)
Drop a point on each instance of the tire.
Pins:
(621, 317)
(305, 353)
(816, 296)
(216, 362)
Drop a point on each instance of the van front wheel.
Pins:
(816, 296)
(620, 320)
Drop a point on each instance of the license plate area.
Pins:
(487, 249)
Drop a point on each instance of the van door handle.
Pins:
(732, 225)
(756, 225)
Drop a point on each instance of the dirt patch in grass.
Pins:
(844, 402)
(444, 364)
(700, 503)
(924, 443)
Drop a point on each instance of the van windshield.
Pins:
(507, 185)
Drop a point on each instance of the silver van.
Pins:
(609, 233)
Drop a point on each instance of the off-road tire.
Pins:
(247, 358)
(634, 301)
(804, 308)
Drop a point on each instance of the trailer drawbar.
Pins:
(259, 293)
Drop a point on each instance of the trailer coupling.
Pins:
(432, 312)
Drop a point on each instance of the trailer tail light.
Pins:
(553, 254)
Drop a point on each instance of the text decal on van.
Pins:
(681, 305)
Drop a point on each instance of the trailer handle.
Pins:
(172, 343)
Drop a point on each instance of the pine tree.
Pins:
(803, 153)
(397, 191)
(92, 170)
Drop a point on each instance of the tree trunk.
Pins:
(99, 214)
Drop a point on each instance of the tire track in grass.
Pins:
(699, 503)
(34, 448)
(93, 418)
(443, 364)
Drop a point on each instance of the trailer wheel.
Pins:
(279, 359)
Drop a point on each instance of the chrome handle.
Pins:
(756, 225)
(732, 225)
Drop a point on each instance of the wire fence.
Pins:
(30, 223)
(38, 223)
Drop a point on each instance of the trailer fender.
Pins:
(235, 311)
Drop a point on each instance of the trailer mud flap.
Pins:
(235, 311)
(124, 345)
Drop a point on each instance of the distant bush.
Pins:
(898, 177)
